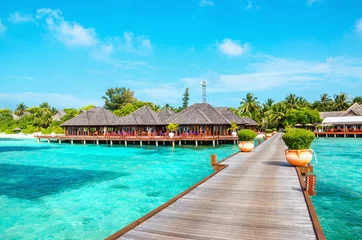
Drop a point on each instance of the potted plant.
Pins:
(298, 142)
(246, 140)
(268, 134)
(274, 130)
(233, 127)
(171, 127)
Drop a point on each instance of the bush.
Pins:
(287, 129)
(275, 129)
(246, 135)
(268, 130)
(298, 139)
(172, 127)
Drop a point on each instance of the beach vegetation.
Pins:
(246, 135)
(172, 127)
(233, 126)
(298, 139)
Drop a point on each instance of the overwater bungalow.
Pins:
(200, 119)
(58, 115)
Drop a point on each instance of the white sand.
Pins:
(16, 135)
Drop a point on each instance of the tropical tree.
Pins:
(116, 98)
(341, 102)
(357, 99)
(291, 101)
(248, 105)
(278, 113)
(186, 99)
(20, 109)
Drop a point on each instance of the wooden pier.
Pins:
(257, 196)
(339, 134)
(140, 140)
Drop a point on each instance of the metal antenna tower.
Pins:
(203, 84)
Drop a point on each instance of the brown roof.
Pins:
(230, 115)
(142, 116)
(93, 117)
(165, 114)
(199, 113)
(354, 110)
(250, 122)
(323, 115)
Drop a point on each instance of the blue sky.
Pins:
(69, 53)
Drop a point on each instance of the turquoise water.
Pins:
(339, 187)
(53, 191)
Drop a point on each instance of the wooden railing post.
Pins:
(310, 183)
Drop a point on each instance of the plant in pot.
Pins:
(171, 128)
(268, 134)
(298, 142)
(274, 130)
(233, 127)
(246, 140)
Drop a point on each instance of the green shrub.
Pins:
(268, 130)
(172, 127)
(287, 129)
(246, 135)
(275, 129)
(297, 139)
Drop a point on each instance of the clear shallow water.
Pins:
(53, 191)
(339, 187)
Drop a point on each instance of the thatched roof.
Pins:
(199, 113)
(354, 110)
(230, 115)
(165, 114)
(93, 117)
(142, 116)
(58, 115)
(250, 122)
(324, 115)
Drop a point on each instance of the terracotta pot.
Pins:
(299, 158)
(268, 135)
(246, 146)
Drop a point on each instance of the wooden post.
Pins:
(49, 140)
(173, 144)
(179, 142)
(196, 143)
(311, 180)
(84, 141)
(125, 143)
(71, 141)
(38, 140)
(141, 143)
(97, 142)
(111, 142)
(213, 159)
(213, 143)
(217, 142)
(156, 143)
(60, 141)
(163, 143)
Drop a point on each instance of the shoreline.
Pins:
(17, 136)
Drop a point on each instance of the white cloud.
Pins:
(56, 100)
(72, 34)
(232, 47)
(136, 44)
(2, 27)
(205, 3)
(359, 26)
(18, 17)
(250, 6)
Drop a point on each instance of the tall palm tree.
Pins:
(357, 99)
(341, 102)
(325, 102)
(278, 113)
(291, 101)
(249, 104)
(20, 109)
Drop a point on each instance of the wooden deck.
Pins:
(258, 196)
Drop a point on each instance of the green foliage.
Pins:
(86, 108)
(275, 129)
(298, 139)
(246, 135)
(268, 130)
(357, 99)
(70, 113)
(233, 126)
(302, 116)
(172, 127)
(287, 129)
(20, 109)
(116, 98)
(185, 99)
(7, 123)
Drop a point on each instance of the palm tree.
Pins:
(264, 111)
(278, 112)
(291, 101)
(341, 102)
(249, 104)
(20, 109)
(325, 102)
(357, 99)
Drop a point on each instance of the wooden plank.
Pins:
(258, 196)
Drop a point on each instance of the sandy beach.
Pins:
(16, 135)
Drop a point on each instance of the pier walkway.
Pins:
(258, 196)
